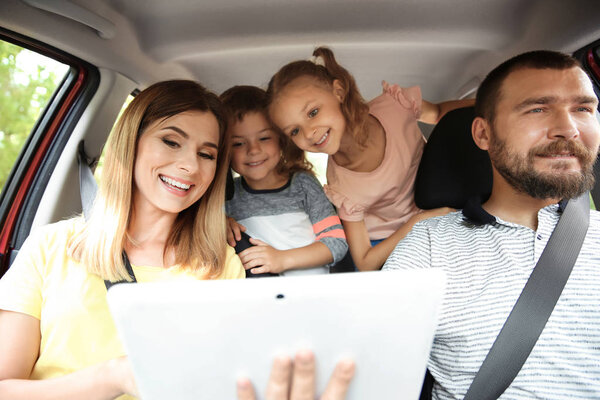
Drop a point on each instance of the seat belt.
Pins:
(87, 184)
(595, 192)
(535, 304)
(87, 191)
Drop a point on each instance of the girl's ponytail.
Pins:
(354, 108)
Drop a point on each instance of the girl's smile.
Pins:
(323, 141)
(310, 114)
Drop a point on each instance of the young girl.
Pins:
(160, 200)
(277, 199)
(374, 148)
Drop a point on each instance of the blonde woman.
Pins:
(160, 201)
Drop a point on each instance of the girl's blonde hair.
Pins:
(198, 236)
(241, 100)
(353, 107)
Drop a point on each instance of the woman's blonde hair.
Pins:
(241, 100)
(198, 236)
(353, 107)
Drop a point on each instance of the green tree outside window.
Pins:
(27, 82)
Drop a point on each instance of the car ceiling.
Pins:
(446, 46)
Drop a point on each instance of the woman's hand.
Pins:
(234, 231)
(119, 373)
(296, 381)
(262, 258)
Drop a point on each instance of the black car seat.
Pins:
(452, 169)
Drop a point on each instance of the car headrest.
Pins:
(452, 169)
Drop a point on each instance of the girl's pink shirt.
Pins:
(384, 197)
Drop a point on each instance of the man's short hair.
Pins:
(241, 100)
(489, 92)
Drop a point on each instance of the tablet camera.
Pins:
(280, 296)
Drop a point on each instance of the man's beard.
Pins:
(558, 183)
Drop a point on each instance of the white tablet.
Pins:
(192, 340)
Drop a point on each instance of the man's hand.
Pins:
(262, 258)
(234, 231)
(296, 381)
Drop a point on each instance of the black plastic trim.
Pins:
(40, 182)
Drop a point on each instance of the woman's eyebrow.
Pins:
(210, 144)
(178, 130)
(186, 136)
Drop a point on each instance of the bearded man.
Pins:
(536, 117)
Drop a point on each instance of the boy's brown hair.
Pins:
(242, 100)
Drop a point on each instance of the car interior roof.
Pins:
(446, 47)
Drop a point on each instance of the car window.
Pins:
(28, 81)
(43, 93)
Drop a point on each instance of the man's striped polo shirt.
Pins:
(487, 262)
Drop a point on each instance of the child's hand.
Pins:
(234, 231)
(436, 212)
(262, 258)
(387, 86)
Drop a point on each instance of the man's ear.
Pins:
(481, 131)
(338, 90)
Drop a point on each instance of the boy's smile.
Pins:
(255, 151)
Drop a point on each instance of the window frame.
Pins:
(31, 172)
(589, 57)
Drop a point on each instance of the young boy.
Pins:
(277, 200)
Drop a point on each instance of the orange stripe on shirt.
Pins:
(334, 233)
(326, 223)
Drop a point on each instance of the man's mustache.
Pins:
(566, 147)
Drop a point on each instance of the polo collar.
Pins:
(475, 214)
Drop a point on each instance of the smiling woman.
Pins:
(179, 155)
(160, 200)
(128, 185)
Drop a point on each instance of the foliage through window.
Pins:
(27, 83)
